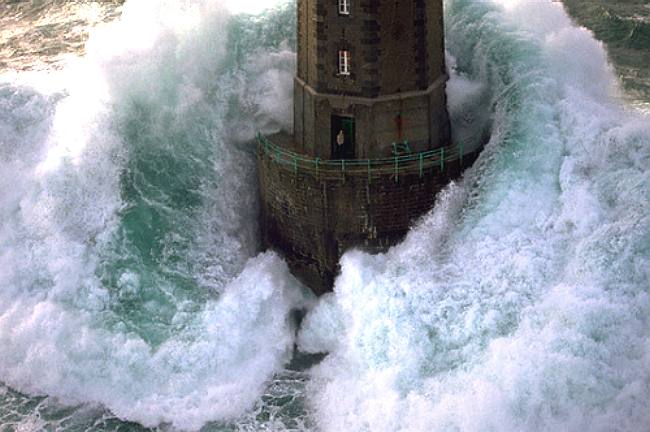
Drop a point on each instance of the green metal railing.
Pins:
(394, 166)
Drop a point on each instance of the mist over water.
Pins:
(625, 27)
(131, 286)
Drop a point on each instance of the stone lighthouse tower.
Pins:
(371, 142)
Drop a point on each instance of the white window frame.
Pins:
(344, 62)
(344, 7)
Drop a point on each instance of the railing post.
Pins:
(295, 166)
(442, 158)
(396, 170)
(421, 163)
(317, 167)
(369, 172)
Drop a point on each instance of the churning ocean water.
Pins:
(625, 26)
(133, 295)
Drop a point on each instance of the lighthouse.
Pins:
(371, 144)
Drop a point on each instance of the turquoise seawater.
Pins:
(133, 295)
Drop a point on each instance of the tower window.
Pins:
(344, 62)
(344, 7)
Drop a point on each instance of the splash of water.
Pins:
(521, 302)
(128, 228)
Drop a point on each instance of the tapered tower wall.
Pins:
(396, 87)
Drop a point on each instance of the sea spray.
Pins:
(521, 301)
(129, 236)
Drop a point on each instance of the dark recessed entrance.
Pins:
(343, 144)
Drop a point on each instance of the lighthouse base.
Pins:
(312, 214)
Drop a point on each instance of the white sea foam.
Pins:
(521, 301)
(178, 328)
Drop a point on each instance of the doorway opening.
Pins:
(343, 132)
